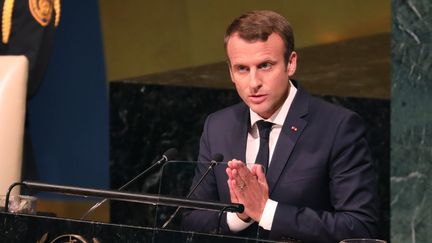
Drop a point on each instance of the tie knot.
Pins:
(264, 128)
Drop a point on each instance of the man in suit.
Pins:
(312, 177)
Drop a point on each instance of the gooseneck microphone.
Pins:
(217, 158)
(170, 154)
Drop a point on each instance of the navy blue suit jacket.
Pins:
(320, 174)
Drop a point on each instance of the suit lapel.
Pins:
(293, 127)
(239, 134)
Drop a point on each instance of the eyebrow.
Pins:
(239, 65)
(266, 60)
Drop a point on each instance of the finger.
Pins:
(241, 180)
(256, 168)
(262, 178)
(229, 173)
(259, 172)
(234, 163)
(245, 173)
(238, 188)
(234, 199)
(231, 192)
(236, 177)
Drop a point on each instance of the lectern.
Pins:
(37, 228)
(32, 228)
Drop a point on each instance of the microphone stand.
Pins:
(121, 188)
(212, 165)
(168, 155)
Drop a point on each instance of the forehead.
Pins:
(243, 52)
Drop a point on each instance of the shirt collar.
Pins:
(278, 118)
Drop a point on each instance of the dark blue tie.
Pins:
(264, 151)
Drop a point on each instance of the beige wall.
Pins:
(144, 37)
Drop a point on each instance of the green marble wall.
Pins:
(411, 122)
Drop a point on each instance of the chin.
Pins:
(262, 113)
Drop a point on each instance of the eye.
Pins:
(242, 69)
(265, 66)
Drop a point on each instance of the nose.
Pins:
(255, 81)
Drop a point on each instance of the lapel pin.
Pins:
(294, 129)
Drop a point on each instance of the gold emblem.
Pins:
(67, 238)
(7, 20)
(41, 10)
(57, 12)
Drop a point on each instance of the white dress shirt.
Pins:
(278, 118)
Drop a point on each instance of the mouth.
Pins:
(257, 98)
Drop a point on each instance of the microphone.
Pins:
(170, 154)
(217, 158)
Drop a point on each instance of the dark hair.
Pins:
(259, 25)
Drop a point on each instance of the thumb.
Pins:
(259, 171)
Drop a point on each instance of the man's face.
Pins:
(259, 72)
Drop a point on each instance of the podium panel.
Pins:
(41, 229)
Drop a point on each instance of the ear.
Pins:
(292, 64)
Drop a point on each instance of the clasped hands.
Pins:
(248, 187)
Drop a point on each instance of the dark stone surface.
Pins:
(411, 136)
(148, 119)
